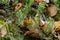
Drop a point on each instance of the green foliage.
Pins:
(31, 11)
(41, 7)
(22, 13)
(57, 17)
(5, 24)
(11, 35)
(20, 17)
(50, 25)
(6, 2)
(57, 3)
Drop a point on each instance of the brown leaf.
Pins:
(18, 6)
(12, 0)
(3, 30)
(32, 31)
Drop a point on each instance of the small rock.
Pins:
(52, 10)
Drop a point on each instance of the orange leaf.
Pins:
(57, 24)
(26, 22)
(44, 26)
(38, 1)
